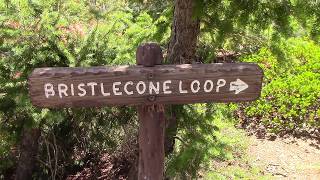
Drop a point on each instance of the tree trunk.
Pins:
(184, 33)
(28, 153)
(182, 49)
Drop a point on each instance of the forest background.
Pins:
(281, 36)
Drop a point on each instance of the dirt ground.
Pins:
(286, 158)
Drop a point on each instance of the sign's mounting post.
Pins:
(148, 87)
(151, 121)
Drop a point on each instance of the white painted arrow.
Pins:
(238, 86)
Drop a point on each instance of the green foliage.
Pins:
(198, 140)
(65, 34)
(238, 164)
(91, 33)
(245, 26)
(290, 97)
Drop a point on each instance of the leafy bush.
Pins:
(91, 33)
(198, 140)
(291, 92)
(66, 34)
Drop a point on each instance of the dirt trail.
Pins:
(286, 158)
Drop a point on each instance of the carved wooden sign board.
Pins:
(138, 85)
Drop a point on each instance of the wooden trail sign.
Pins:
(149, 85)
(136, 85)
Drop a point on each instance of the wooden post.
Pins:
(58, 87)
(152, 122)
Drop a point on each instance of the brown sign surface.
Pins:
(133, 85)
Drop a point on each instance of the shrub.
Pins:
(291, 92)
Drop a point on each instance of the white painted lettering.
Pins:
(143, 84)
(116, 89)
(166, 87)
(102, 90)
(48, 90)
(197, 88)
(126, 88)
(62, 89)
(206, 89)
(220, 83)
(72, 89)
(180, 88)
(152, 87)
(83, 91)
(92, 84)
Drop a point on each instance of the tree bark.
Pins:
(182, 49)
(184, 33)
(28, 153)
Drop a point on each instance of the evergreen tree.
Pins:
(89, 33)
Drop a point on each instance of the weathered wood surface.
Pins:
(251, 74)
(151, 141)
(151, 123)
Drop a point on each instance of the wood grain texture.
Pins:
(187, 73)
(151, 122)
(149, 54)
(151, 141)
